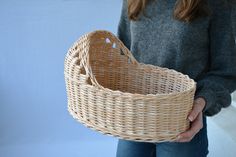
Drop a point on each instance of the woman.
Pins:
(191, 36)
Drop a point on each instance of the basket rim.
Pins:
(129, 94)
(118, 92)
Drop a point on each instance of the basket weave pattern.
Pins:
(109, 91)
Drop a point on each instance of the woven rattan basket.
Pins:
(111, 92)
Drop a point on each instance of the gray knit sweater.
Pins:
(203, 49)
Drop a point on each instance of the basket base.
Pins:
(104, 131)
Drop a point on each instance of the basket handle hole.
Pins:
(121, 52)
(114, 45)
(129, 60)
(89, 81)
(82, 71)
(107, 40)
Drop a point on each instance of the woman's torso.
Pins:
(161, 40)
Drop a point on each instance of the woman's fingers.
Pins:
(195, 117)
(198, 106)
(196, 126)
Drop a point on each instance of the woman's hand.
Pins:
(195, 117)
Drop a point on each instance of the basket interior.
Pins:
(115, 71)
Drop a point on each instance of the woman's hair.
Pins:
(185, 10)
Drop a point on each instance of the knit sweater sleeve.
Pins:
(123, 31)
(220, 80)
(233, 16)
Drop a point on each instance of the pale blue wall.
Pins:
(34, 38)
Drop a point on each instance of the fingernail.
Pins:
(178, 137)
(190, 118)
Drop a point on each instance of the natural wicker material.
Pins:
(111, 92)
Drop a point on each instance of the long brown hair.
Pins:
(185, 10)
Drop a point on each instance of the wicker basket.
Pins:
(111, 92)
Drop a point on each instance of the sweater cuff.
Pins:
(208, 96)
